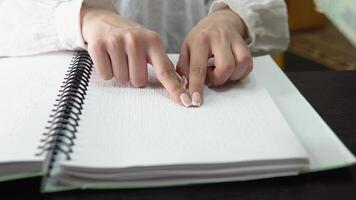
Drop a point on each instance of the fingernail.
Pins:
(196, 98)
(180, 78)
(184, 82)
(185, 99)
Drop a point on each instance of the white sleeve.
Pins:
(266, 21)
(37, 26)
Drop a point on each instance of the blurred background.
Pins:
(323, 36)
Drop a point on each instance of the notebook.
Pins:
(60, 120)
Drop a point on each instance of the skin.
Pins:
(121, 49)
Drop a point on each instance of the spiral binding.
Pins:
(62, 126)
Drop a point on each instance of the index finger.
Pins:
(199, 56)
(166, 74)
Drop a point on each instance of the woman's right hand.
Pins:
(121, 49)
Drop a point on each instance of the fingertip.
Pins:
(197, 99)
(185, 99)
(106, 77)
(104, 71)
(196, 92)
(140, 83)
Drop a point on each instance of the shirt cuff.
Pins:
(68, 22)
(67, 25)
(266, 22)
(242, 12)
(108, 5)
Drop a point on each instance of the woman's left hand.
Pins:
(220, 35)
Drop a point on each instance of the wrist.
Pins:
(240, 24)
(84, 18)
(89, 16)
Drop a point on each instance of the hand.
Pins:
(219, 35)
(121, 49)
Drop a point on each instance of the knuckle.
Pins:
(197, 71)
(132, 40)
(222, 34)
(97, 45)
(215, 34)
(217, 81)
(167, 74)
(153, 37)
(203, 36)
(114, 41)
(246, 59)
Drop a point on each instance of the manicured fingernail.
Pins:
(196, 98)
(180, 78)
(185, 99)
(184, 82)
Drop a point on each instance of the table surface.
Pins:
(332, 94)
(337, 55)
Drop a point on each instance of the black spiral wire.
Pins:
(64, 120)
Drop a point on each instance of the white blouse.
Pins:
(30, 27)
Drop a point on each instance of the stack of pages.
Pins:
(122, 137)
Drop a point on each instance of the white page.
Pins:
(29, 86)
(325, 150)
(122, 127)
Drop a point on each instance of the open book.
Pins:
(60, 120)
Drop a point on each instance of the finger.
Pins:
(199, 56)
(243, 60)
(224, 63)
(101, 60)
(166, 74)
(119, 61)
(247, 72)
(137, 61)
(183, 62)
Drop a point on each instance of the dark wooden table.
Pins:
(333, 95)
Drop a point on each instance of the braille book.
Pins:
(60, 120)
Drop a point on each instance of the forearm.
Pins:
(266, 21)
(38, 26)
